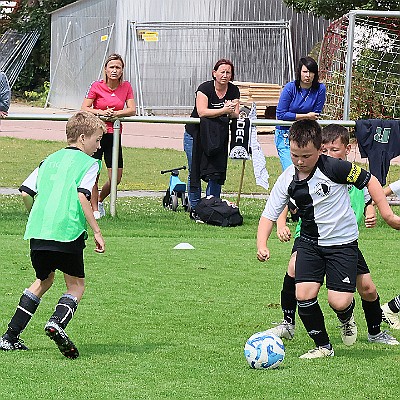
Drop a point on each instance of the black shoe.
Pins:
(7, 344)
(61, 339)
(193, 215)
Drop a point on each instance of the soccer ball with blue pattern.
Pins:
(264, 350)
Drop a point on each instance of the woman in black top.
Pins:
(215, 99)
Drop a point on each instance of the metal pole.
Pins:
(114, 167)
(241, 183)
(349, 66)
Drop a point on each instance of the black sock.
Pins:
(27, 306)
(373, 315)
(311, 315)
(65, 310)
(394, 304)
(288, 299)
(345, 315)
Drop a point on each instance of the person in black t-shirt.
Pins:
(215, 99)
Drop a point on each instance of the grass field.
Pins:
(159, 323)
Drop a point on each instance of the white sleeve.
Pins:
(367, 196)
(395, 186)
(279, 196)
(89, 179)
(31, 180)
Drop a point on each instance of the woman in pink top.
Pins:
(111, 98)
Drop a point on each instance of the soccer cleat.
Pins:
(384, 338)
(61, 339)
(390, 317)
(318, 352)
(283, 329)
(348, 332)
(96, 215)
(7, 344)
(102, 211)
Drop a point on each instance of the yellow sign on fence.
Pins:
(148, 36)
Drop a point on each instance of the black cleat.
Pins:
(7, 344)
(61, 339)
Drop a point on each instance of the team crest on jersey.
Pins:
(322, 189)
(354, 173)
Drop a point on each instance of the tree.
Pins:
(35, 15)
(332, 9)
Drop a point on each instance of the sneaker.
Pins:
(349, 332)
(318, 352)
(96, 214)
(283, 329)
(63, 342)
(7, 345)
(102, 211)
(390, 317)
(193, 215)
(383, 337)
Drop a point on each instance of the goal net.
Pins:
(375, 68)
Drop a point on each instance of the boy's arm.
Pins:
(378, 196)
(282, 230)
(264, 231)
(87, 209)
(28, 200)
(387, 191)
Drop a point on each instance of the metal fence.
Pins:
(168, 58)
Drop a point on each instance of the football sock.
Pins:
(311, 315)
(27, 306)
(345, 315)
(288, 299)
(394, 304)
(65, 310)
(373, 315)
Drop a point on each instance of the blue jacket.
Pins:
(294, 101)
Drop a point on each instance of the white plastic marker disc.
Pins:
(184, 246)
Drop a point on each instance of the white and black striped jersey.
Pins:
(322, 200)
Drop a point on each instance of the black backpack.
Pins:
(215, 211)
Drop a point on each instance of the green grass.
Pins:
(141, 166)
(159, 323)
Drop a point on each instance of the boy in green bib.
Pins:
(57, 196)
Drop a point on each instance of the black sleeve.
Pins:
(86, 192)
(341, 171)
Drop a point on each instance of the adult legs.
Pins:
(194, 197)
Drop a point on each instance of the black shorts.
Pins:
(362, 266)
(45, 261)
(106, 146)
(337, 263)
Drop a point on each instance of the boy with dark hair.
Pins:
(336, 143)
(328, 237)
(57, 194)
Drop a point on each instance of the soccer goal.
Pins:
(359, 62)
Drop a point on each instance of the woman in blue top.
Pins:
(302, 98)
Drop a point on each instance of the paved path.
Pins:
(135, 134)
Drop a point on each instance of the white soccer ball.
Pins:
(264, 350)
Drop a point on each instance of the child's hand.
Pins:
(370, 216)
(263, 254)
(283, 233)
(370, 221)
(99, 241)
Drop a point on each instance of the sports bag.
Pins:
(215, 211)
